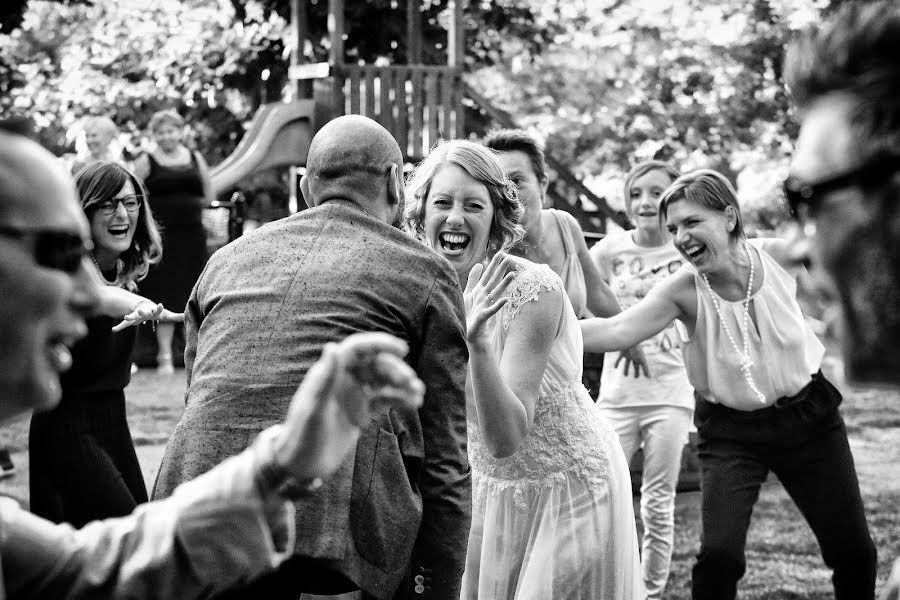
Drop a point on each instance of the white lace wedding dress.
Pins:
(555, 520)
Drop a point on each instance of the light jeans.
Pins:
(663, 432)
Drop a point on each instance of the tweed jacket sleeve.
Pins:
(439, 553)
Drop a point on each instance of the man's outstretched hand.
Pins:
(350, 381)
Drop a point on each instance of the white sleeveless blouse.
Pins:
(784, 350)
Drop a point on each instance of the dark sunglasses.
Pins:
(53, 249)
(868, 175)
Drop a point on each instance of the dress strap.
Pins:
(565, 232)
(526, 287)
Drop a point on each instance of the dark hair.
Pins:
(857, 52)
(641, 169)
(479, 162)
(707, 188)
(511, 140)
(101, 181)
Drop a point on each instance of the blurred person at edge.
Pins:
(553, 237)
(844, 184)
(653, 414)
(177, 179)
(229, 525)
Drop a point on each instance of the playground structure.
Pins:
(418, 103)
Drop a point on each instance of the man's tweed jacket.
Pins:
(256, 321)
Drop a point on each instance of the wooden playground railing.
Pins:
(419, 104)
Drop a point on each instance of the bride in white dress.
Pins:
(552, 514)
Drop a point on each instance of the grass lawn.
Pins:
(782, 554)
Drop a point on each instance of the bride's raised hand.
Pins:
(483, 295)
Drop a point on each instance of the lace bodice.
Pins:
(568, 436)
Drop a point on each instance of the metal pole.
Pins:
(294, 92)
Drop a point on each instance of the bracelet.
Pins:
(144, 301)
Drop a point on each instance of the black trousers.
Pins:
(803, 440)
(295, 576)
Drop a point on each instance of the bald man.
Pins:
(395, 518)
(220, 530)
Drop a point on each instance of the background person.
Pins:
(96, 142)
(232, 523)
(553, 237)
(178, 182)
(761, 401)
(649, 413)
(549, 519)
(844, 188)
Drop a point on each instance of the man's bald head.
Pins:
(353, 158)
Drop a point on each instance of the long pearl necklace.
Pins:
(119, 266)
(744, 354)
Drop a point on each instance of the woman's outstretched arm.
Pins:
(132, 308)
(648, 317)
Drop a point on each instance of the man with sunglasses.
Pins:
(844, 185)
(233, 523)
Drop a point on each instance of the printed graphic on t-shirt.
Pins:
(632, 278)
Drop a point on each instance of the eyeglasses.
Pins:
(132, 204)
(60, 250)
(811, 195)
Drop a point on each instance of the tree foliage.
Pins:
(126, 62)
(376, 29)
(688, 81)
(605, 82)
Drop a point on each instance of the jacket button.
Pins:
(420, 588)
(419, 579)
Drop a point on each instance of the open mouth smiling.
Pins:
(453, 243)
(694, 251)
(118, 230)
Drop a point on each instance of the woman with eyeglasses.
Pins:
(83, 463)
(762, 403)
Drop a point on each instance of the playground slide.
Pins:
(279, 136)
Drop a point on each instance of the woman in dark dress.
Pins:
(83, 462)
(178, 182)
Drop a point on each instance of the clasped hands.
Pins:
(147, 310)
